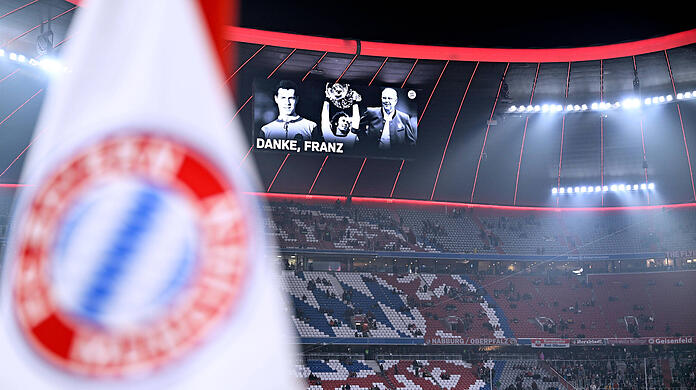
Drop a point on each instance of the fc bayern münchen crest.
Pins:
(128, 256)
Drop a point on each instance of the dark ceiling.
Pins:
(516, 160)
(494, 25)
(480, 24)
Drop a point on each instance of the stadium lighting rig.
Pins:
(581, 190)
(626, 104)
(49, 65)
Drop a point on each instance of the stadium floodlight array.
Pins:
(50, 65)
(626, 104)
(571, 190)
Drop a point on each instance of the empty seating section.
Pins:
(512, 374)
(527, 235)
(432, 374)
(390, 374)
(325, 227)
(334, 303)
(448, 233)
(526, 372)
(321, 226)
(459, 230)
(612, 373)
(675, 231)
(380, 305)
(597, 305)
(661, 302)
(427, 306)
(611, 233)
(332, 374)
(527, 300)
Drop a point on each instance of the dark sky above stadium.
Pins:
(469, 24)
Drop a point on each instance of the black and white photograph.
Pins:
(337, 118)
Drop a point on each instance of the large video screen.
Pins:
(335, 118)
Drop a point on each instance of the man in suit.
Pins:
(385, 129)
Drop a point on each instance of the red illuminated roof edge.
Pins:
(379, 49)
(416, 202)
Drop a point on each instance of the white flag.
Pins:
(135, 259)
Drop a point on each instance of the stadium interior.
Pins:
(541, 234)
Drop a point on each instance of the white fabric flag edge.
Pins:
(125, 102)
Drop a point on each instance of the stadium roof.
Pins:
(471, 149)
